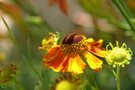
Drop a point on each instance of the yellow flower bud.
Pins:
(66, 85)
(67, 82)
(118, 55)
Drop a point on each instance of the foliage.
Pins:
(25, 36)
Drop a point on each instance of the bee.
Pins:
(72, 38)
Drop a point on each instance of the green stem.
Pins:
(126, 9)
(19, 85)
(124, 12)
(118, 77)
(10, 31)
(28, 50)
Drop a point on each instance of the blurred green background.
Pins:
(29, 21)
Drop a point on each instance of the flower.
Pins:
(66, 56)
(118, 55)
(49, 41)
(7, 74)
(67, 82)
(62, 4)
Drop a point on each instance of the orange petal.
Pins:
(93, 61)
(96, 47)
(10, 9)
(74, 64)
(63, 6)
(52, 2)
(52, 52)
(57, 60)
(94, 43)
(54, 58)
(99, 52)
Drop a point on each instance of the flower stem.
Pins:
(124, 12)
(118, 77)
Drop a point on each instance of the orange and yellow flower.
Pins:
(49, 41)
(62, 4)
(66, 56)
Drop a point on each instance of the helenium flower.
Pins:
(65, 56)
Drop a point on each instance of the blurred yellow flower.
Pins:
(66, 56)
(49, 41)
(67, 82)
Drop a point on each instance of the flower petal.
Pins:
(93, 61)
(74, 64)
(63, 6)
(54, 58)
(52, 2)
(96, 47)
(99, 52)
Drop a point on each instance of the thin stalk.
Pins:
(126, 9)
(124, 12)
(9, 30)
(13, 36)
(28, 60)
(118, 77)
(19, 86)
(28, 51)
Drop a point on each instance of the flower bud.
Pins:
(120, 56)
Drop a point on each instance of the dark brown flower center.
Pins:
(72, 38)
(73, 43)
